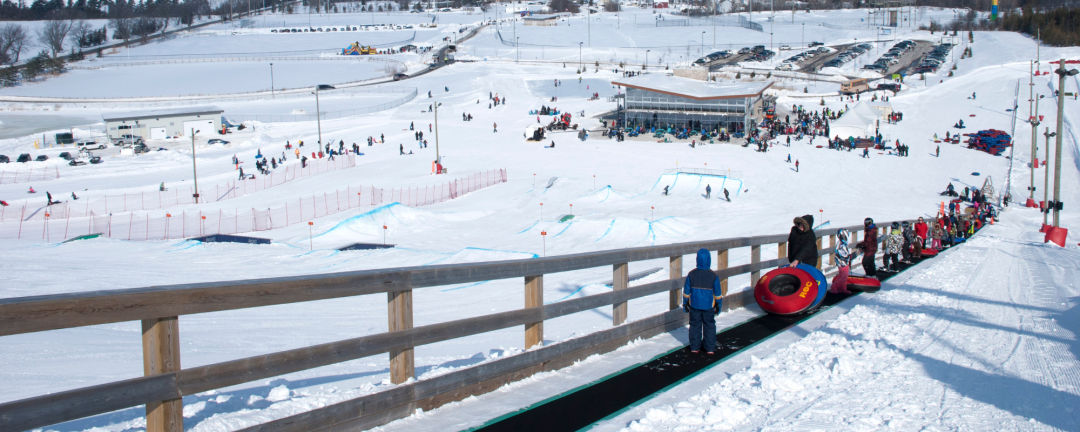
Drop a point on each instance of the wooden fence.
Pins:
(165, 382)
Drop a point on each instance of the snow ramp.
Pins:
(369, 225)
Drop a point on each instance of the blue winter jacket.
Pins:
(702, 288)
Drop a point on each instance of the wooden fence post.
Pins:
(832, 244)
(675, 272)
(781, 250)
(620, 281)
(534, 297)
(818, 245)
(722, 263)
(161, 353)
(755, 257)
(399, 312)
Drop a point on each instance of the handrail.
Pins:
(39, 313)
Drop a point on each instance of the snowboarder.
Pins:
(401, 149)
(726, 196)
(708, 191)
(702, 297)
(665, 190)
(972, 95)
(410, 125)
(241, 173)
(802, 243)
(843, 263)
(868, 247)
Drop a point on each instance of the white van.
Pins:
(90, 145)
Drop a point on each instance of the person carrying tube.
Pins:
(702, 297)
(802, 242)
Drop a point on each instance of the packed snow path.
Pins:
(982, 338)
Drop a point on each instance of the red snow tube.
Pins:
(863, 283)
(786, 291)
(929, 253)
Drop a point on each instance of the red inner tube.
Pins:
(862, 283)
(785, 291)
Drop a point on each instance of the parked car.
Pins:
(90, 145)
(127, 139)
(894, 87)
(77, 162)
(42, 158)
(785, 47)
(141, 148)
(216, 141)
(758, 48)
(814, 44)
(23, 158)
(95, 160)
(66, 156)
(785, 67)
(5, 159)
(744, 50)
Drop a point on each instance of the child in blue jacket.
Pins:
(701, 299)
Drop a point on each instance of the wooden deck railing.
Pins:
(165, 382)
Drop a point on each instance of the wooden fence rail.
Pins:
(165, 382)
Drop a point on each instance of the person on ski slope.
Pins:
(869, 247)
(894, 243)
(843, 263)
(802, 243)
(702, 297)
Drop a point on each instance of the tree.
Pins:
(35, 66)
(9, 76)
(53, 33)
(121, 28)
(13, 40)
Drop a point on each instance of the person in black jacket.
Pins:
(802, 242)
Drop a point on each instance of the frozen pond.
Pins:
(18, 125)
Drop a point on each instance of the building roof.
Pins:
(535, 17)
(691, 88)
(171, 112)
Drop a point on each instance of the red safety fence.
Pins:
(193, 223)
(30, 175)
(174, 196)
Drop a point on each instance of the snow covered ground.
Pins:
(614, 189)
(984, 337)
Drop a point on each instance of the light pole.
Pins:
(580, 64)
(803, 43)
(1046, 176)
(703, 44)
(1062, 74)
(272, 80)
(437, 159)
(318, 113)
(647, 60)
(517, 48)
(194, 171)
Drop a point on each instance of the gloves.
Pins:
(686, 308)
(716, 310)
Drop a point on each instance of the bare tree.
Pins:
(13, 40)
(53, 33)
(80, 30)
(122, 28)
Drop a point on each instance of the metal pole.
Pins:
(194, 171)
(580, 64)
(272, 81)
(1062, 73)
(1046, 176)
(318, 114)
(437, 160)
(1033, 108)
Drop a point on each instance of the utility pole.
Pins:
(1046, 177)
(194, 171)
(1062, 74)
(437, 159)
(1033, 109)
(272, 81)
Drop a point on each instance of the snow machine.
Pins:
(786, 291)
(863, 283)
(76, 162)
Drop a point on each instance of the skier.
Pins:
(894, 243)
(788, 158)
(726, 196)
(382, 138)
(868, 247)
(49, 197)
(796, 165)
(665, 190)
(702, 297)
(401, 149)
(843, 264)
(708, 191)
